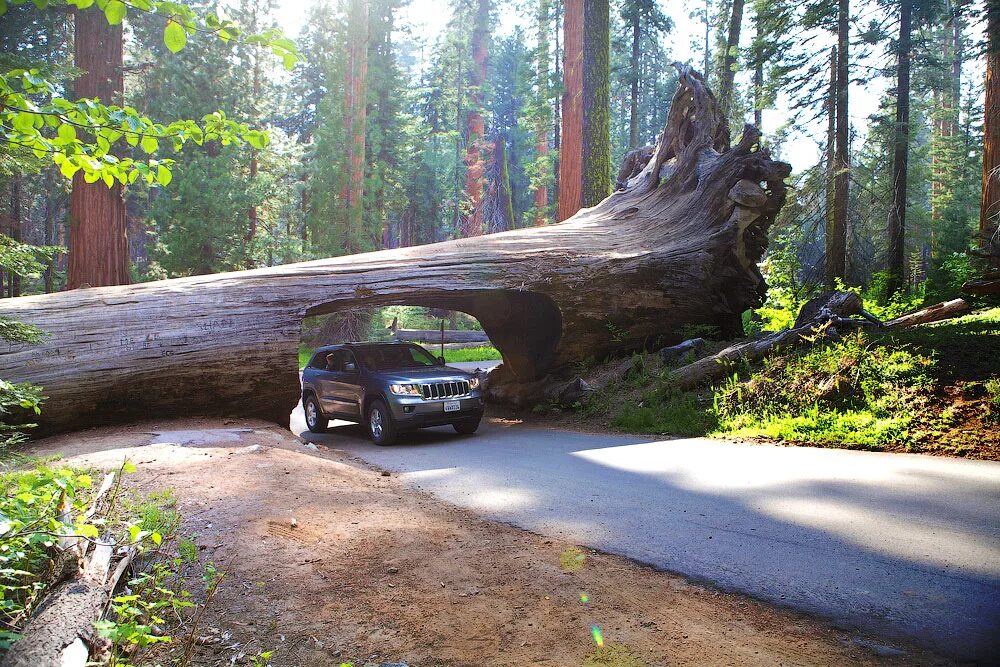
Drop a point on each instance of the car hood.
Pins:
(423, 374)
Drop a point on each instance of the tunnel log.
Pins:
(678, 244)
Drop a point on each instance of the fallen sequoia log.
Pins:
(436, 335)
(677, 244)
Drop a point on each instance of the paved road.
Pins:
(473, 365)
(905, 546)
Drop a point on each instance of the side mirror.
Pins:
(349, 367)
(441, 361)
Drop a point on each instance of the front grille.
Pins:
(444, 389)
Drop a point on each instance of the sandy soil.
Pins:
(373, 572)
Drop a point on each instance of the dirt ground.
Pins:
(330, 561)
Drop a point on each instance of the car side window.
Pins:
(318, 361)
(348, 363)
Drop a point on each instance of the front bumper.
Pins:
(413, 412)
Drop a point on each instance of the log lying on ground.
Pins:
(939, 311)
(818, 319)
(677, 245)
(988, 285)
(436, 335)
(61, 630)
(432, 336)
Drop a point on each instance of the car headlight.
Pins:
(474, 383)
(405, 389)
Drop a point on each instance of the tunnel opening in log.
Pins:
(525, 327)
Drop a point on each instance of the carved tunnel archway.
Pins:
(525, 327)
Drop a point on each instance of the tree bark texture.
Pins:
(678, 245)
(15, 227)
(98, 242)
(477, 152)
(836, 259)
(355, 119)
(727, 65)
(830, 229)
(571, 135)
(498, 207)
(989, 212)
(544, 119)
(633, 102)
(596, 103)
(896, 231)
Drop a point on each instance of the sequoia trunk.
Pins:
(727, 65)
(571, 135)
(357, 104)
(477, 152)
(836, 258)
(989, 214)
(901, 150)
(98, 244)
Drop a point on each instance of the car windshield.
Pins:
(390, 357)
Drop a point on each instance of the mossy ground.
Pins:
(932, 389)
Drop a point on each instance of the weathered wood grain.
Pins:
(672, 248)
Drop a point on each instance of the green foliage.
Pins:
(848, 392)
(18, 398)
(83, 135)
(666, 412)
(480, 353)
(262, 659)
(37, 506)
(929, 388)
(885, 305)
(55, 127)
(992, 387)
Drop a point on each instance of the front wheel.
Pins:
(467, 426)
(314, 418)
(380, 426)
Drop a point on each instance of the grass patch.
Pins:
(451, 355)
(934, 388)
(673, 413)
(480, 353)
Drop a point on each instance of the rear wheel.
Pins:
(315, 420)
(380, 426)
(467, 426)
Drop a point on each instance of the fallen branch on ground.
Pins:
(818, 319)
(61, 631)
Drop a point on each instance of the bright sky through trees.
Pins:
(425, 20)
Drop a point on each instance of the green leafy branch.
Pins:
(53, 128)
(34, 117)
(180, 21)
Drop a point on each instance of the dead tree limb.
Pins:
(939, 311)
(60, 632)
(818, 319)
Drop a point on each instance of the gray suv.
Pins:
(391, 387)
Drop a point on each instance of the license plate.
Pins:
(452, 406)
